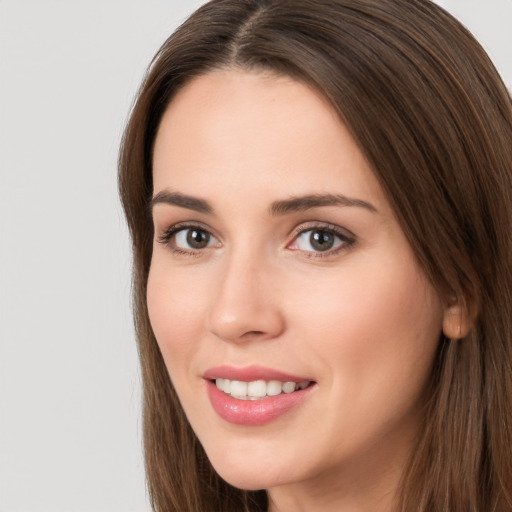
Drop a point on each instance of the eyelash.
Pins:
(166, 238)
(347, 239)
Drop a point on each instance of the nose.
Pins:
(246, 306)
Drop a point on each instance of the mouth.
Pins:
(255, 395)
(258, 389)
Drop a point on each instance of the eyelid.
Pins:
(347, 237)
(167, 235)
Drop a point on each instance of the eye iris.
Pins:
(321, 240)
(197, 239)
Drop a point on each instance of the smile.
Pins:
(255, 395)
(258, 389)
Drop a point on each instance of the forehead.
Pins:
(251, 107)
(235, 130)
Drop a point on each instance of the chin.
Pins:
(249, 474)
(247, 480)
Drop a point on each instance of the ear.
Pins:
(456, 320)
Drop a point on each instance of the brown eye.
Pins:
(318, 240)
(322, 240)
(188, 239)
(192, 239)
(196, 238)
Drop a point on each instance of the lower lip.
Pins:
(254, 412)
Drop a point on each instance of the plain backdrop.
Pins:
(70, 437)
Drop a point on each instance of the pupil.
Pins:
(321, 240)
(197, 239)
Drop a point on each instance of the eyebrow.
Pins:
(303, 203)
(181, 200)
(282, 207)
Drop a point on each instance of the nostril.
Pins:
(252, 334)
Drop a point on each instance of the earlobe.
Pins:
(456, 322)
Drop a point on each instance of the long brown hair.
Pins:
(432, 116)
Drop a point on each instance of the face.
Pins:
(295, 322)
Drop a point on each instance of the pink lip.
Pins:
(250, 373)
(253, 412)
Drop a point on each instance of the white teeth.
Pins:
(288, 387)
(258, 388)
(238, 389)
(274, 387)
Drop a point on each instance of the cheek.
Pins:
(375, 327)
(175, 312)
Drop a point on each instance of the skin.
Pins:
(361, 320)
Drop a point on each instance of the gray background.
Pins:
(69, 385)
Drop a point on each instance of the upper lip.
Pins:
(251, 373)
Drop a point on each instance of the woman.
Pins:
(319, 197)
